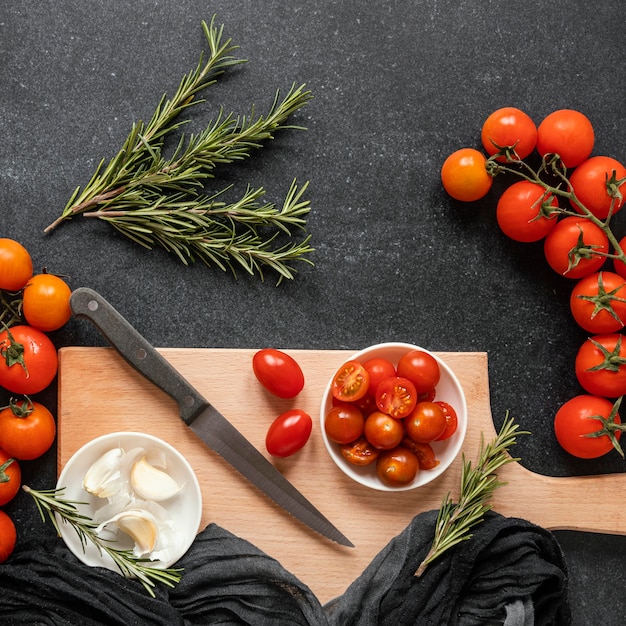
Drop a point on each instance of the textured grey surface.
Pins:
(397, 86)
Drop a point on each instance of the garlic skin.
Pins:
(103, 478)
(151, 483)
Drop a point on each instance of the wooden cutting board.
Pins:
(99, 393)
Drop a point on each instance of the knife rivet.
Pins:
(141, 354)
(189, 401)
(92, 305)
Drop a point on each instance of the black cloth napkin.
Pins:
(511, 572)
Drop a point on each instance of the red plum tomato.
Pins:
(464, 175)
(351, 382)
(421, 369)
(598, 185)
(598, 302)
(8, 536)
(567, 133)
(396, 397)
(288, 433)
(46, 302)
(383, 431)
(397, 467)
(523, 212)
(378, 369)
(344, 423)
(600, 365)
(16, 265)
(509, 127)
(577, 421)
(574, 247)
(278, 372)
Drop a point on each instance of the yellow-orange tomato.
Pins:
(47, 302)
(464, 175)
(16, 266)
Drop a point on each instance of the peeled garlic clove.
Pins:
(103, 477)
(141, 526)
(151, 483)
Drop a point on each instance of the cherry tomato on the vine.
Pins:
(521, 213)
(575, 247)
(452, 420)
(577, 422)
(426, 423)
(288, 433)
(598, 183)
(16, 265)
(600, 365)
(383, 431)
(344, 423)
(598, 302)
(360, 452)
(27, 429)
(28, 360)
(509, 127)
(351, 382)
(396, 397)
(567, 133)
(464, 175)
(397, 467)
(10, 477)
(278, 372)
(421, 368)
(8, 536)
(46, 302)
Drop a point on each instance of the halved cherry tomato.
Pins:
(424, 453)
(360, 452)
(278, 372)
(598, 302)
(509, 127)
(397, 467)
(46, 302)
(421, 369)
(288, 433)
(426, 422)
(378, 369)
(600, 365)
(350, 382)
(344, 423)
(567, 133)
(16, 265)
(452, 420)
(8, 536)
(10, 477)
(27, 429)
(396, 397)
(383, 431)
(464, 175)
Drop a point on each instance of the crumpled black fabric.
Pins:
(510, 572)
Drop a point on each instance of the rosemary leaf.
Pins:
(455, 520)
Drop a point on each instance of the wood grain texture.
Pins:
(99, 393)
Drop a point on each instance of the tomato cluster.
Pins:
(387, 414)
(32, 305)
(567, 203)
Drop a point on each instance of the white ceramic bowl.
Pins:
(448, 390)
(184, 509)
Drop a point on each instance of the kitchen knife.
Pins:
(204, 419)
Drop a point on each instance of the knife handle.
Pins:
(136, 350)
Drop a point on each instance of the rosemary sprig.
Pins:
(455, 520)
(161, 201)
(51, 501)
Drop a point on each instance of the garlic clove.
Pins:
(103, 478)
(140, 525)
(151, 483)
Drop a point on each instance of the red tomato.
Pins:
(600, 365)
(575, 247)
(620, 266)
(288, 433)
(16, 266)
(396, 397)
(27, 429)
(452, 420)
(378, 369)
(426, 423)
(596, 183)
(509, 128)
(566, 133)
(421, 369)
(10, 477)
(360, 452)
(351, 382)
(423, 451)
(278, 372)
(46, 303)
(464, 175)
(598, 302)
(29, 360)
(383, 431)
(344, 423)
(397, 467)
(578, 421)
(8, 536)
(523, 212)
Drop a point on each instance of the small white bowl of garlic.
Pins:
(142, 493)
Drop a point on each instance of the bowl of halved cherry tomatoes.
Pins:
(393, 416)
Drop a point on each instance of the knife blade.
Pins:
(198, 413)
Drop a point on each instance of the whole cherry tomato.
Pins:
(278, 372)
(10, 477)
(288, 433)
(567, 133)
(378, 369)
(397, 467)
(464, 175)
(575, 247)
(27, 429)
(600, 365)
(523, 212)
(16, 265)
(396, 397)
(426, 423)
(598, 184)
(452, 420)
(509, 127)
(383, 431)
(351, 382)
(344, 423)
(28, 362)
(579, 421)
(598, 302)
(46, 302)
(421, 368)
(360, 452)
(8, 536)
